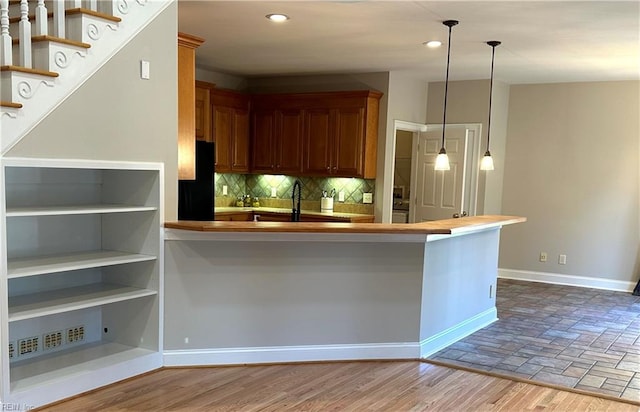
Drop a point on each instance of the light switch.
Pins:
(341, 196)
(225, 190)
(144, 69)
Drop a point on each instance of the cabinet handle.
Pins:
(328, 168)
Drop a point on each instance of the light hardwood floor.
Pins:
(342, 386)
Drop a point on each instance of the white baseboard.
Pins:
(284, 354)
(313, 353)
(569, 280)
(449, 336)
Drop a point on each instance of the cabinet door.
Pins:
(288, 143)
(222, 135)
(240, 141)
(348, 151)
(203, 114)
(262, 142)
(318, 135)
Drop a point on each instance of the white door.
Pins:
(441, 194)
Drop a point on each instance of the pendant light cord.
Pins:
(493, 45)
(450, 24)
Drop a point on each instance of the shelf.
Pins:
(21, 267)
(65, 300)
(75, 210)
(71, 362)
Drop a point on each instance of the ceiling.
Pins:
(542, 41)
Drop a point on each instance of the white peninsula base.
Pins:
(261, 295)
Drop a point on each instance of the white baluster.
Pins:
(6, 55)
(90, 4)
(24, 34)
(41, 28)
(58, 19)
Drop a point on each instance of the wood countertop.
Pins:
(437, 227)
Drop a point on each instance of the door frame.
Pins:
(415, 128)
(473, 160)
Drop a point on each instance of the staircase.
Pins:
(50, 48)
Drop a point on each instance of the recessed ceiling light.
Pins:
(277, 17)
(432, 44)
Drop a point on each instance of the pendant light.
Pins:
(487, 160)
(442, 161)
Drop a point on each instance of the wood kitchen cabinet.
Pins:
(340, 137)
(187, 45)
(316, 134)
(203, 111)
(334, 142)
(276, 138)
(230, 127)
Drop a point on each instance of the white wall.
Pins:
(572, 168)
(117, 116)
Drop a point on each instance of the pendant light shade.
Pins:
(442, 161)
(487, 160)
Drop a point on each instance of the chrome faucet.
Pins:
(295, 207)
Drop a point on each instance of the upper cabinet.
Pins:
(276, 137)
(230, 128)
(203, 111)
(316, 134)
(187, 45)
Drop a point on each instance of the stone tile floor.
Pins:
(586, 339)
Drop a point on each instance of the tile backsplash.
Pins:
(260, 186)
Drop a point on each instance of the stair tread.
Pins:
(36, 39)
(10, 104)
(82, 10)
(28, 70)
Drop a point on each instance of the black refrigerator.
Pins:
(196, 197)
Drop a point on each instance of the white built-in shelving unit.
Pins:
(81, 282)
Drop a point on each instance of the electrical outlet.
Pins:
(274, 192)
(52, 340)
(28, 345)
(75, 334)
(341, 196)
(367, 197)
(562, 259)
(225, 190)
(12, 350)
(543, 256)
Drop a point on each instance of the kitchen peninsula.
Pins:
(259, 292)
